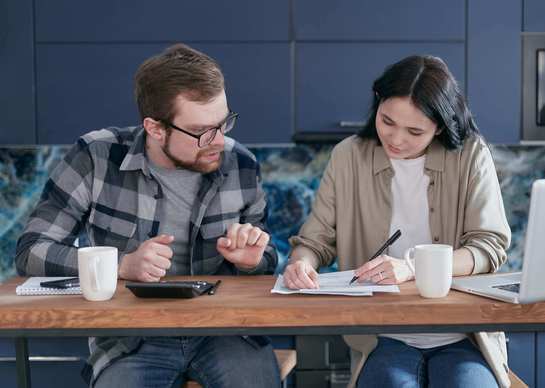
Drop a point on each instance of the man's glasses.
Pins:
(208, 136)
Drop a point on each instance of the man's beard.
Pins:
(198, 165)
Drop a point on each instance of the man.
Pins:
(176, 197)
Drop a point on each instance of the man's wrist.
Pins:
(122, 273)
(248, 269)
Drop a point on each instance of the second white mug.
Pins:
(432, 268)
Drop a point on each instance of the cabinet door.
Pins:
(521, 355)
(17, 125)
(494, 68)
(533, 15)
(334, 80)
(165, 21)
(384, 20)
(46, 374)
(54, 362)
(86, 87)
(283, 341)
(322, 352)
(540, 360)
(322, 378)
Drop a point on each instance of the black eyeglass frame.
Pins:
(231, 116)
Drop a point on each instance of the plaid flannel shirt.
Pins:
(103, 189)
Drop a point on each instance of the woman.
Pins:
(418, 165)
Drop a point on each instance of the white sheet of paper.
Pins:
(335, 283)
(342, 278)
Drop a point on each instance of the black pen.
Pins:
(61, 283)
(388, 242)
(214, 288)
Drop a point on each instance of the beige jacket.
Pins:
(353, 207)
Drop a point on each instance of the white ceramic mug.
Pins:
(97, 267)
(432, 268)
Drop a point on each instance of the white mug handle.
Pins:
(409, 260)
(93, 270)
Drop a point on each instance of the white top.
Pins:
(410, 211)
(410, 214)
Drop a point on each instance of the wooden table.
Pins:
(245, 306)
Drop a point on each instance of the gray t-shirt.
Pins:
(180, 187)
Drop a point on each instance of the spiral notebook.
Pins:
(32, 287)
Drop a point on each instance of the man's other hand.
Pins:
(243, 245)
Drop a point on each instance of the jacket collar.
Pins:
(136, 156)
(435, 156)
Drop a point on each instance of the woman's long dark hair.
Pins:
(432, 89)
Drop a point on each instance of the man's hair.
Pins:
(427, 81)
(179, 69)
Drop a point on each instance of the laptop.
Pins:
(517, 287)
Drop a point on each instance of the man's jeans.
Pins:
(395, 364)
(215, 362)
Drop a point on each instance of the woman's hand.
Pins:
(300, 274)
(384, 270)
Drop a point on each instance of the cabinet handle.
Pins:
(352, 124)
(326, 354)
(44, 359)
(340, 378)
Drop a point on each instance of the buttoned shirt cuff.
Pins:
(324, 259)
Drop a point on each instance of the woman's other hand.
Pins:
(300, 274)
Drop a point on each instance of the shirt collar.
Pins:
(136, 156)
(435, 158)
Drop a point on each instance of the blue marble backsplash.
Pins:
(291, 176)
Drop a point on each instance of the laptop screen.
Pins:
(533, 268)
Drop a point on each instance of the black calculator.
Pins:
(169, 289)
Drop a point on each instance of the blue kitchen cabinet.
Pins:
(58, 56)
(58, 361)
(534, 20)
(17, 124)
(494, 68)
(521, 355)
(46, 374)
(486, 32)
(334, 80)
(540, 360)
(86, 87)
(142, 21)
(388, 20)
(55, 362)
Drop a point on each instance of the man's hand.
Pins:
(300, 274)
(384, 270)
(149, 262)
(243, 245)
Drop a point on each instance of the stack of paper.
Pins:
(336, 283)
